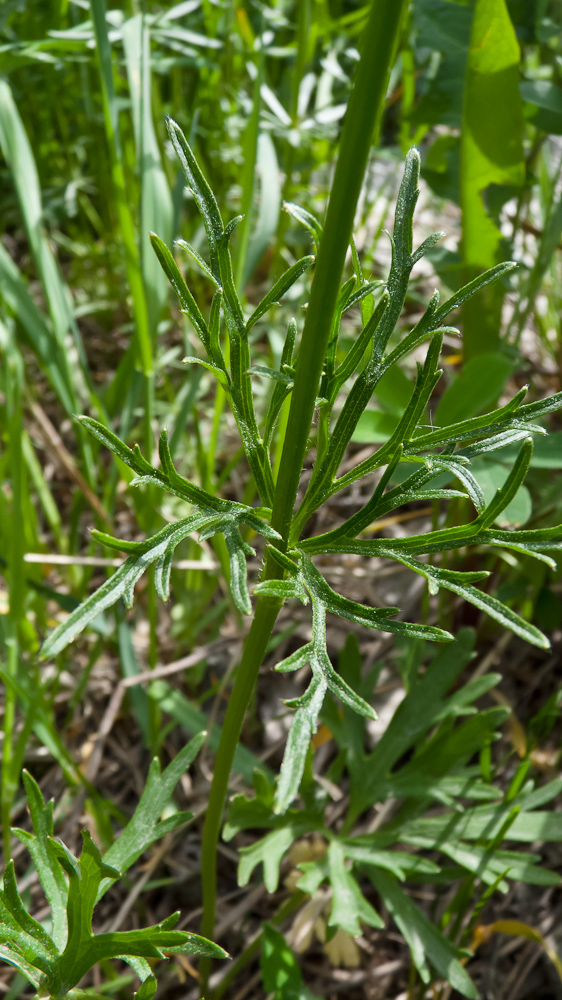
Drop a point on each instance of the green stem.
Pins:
(362, 118)
(363, 115)
(252, 657)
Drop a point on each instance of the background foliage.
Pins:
(87, 326)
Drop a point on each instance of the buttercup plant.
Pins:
(55, 962)
(313, 377)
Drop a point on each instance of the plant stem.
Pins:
(254, 650)
(361, 121)
(363, 115)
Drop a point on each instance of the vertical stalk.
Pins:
(362, 118)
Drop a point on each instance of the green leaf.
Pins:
(487, 821)
(471, 288)
(278, 290)
(284, 590)
(42, 945)
(489, 864)
(280, 970)
(508, 491)
(220, 375)
(422, 707)
(268, 851)
(543, 104)
(426, 943)
(156, 207)
(349, 905)
(267, 169)
(272, 373)
(199, 260)
(302, 729)
(122, 583)
(305, 218)
(14, 957)
(491, 153)
(50, 354)
(65, 960)
(145, 825)
(377, 618)
(202, 193)
(188, 303)
(50, 875)
(361, 850)
(238, 582)
(500, 612)
(133, 459)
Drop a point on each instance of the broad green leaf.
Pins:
(491, 153)
(268, 851)
(399, 863)
(442, 25)
(349, 905)
(281, 972)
